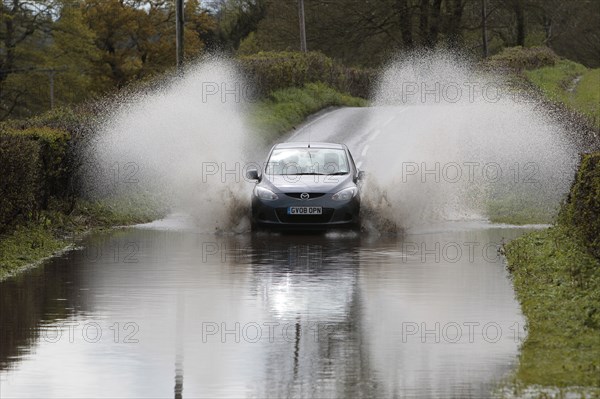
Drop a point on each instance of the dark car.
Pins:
(307, 186)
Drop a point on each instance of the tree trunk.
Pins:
(520, 16)
(9, 62)
(456, 13)
(547, 30)
(405, 25)
(484, 28)
(424, 23)
(434, 25)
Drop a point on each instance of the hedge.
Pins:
(19, 178)
(35, 167)
(271, 71)
(582, 209)
(519, 58)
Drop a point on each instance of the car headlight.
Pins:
(345, 194)
(265, 194)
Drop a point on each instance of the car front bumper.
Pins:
(336, 214)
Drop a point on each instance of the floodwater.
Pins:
(162, 310)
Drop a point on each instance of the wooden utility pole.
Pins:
(302, 26)
(484, 28)
(179, 33)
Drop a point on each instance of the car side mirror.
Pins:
(252, 174)
(361, 175)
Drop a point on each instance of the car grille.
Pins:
(312, 195)
(323, 218)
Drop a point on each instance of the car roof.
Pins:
(305, 144)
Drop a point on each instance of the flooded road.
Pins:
(162, 310)
(171, 310)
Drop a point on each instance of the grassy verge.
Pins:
(556, 275)
(519, 212)
(52, 231)
(26, 245)
(571, 84)
(557, 282)
(286, 108)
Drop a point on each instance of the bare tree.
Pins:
(405, 19)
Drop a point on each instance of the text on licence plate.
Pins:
(305, 210)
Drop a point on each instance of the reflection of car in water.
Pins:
(311, 276)
(309, 285)
(307, 186)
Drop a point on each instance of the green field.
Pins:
(572, 84)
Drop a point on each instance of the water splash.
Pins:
(461, 144)
(186, 142)
(455, 143)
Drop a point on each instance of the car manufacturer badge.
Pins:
(304, 196)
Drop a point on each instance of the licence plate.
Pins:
(305, 210)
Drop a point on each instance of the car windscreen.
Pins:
(299, 161)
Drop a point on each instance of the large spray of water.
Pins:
(461, 144)
(184, 142)
(453, 143)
